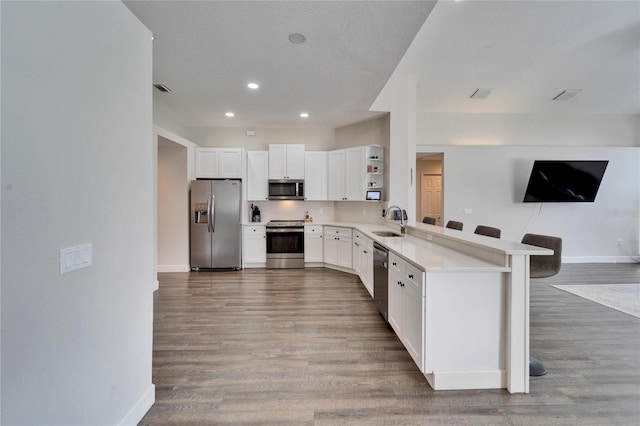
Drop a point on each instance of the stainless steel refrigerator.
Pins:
(215, 224)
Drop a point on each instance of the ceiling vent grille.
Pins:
(480, 94)
(566, 94)
(162, 87)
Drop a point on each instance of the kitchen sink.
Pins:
(386, 234)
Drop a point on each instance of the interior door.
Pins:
(431, 197)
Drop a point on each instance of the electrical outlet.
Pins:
(619, 242)
(383, 212)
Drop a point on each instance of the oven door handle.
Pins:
(283, 230)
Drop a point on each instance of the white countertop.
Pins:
(432, 257)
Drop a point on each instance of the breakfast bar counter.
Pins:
(459, 302)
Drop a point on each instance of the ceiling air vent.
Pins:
(480, 94)
(162, 87)
(566, 94)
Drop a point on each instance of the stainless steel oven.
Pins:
(285, 244)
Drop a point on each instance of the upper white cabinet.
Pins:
(257, 175)
(286, 161)
(315, 175)
(336, 173)
(353, 171)
(219, 163)
(354, 189)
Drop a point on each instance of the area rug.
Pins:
(622, 297)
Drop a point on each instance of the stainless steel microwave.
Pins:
(286, 189)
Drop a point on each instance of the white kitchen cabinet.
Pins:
(406, 311)
(362, 259)
(219, 163)
(366, 264)
(254, 246)
(315, 175)
(353, 171)
(356, 251)
(257, 175)
(337, 246)
(286, 161)
(336, 174)
(313, 244)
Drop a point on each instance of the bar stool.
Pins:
(542, 267)
(488, 231)
(429, 220)
(453, 224)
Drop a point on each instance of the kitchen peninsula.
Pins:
(466, 321)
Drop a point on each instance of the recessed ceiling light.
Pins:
(480, 93)
(304, 114)
(297, 38)
(252, 85)
(566, 94)
(229, 114)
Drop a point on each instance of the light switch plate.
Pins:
(75, 257)
(468, 211)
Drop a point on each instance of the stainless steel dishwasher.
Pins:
(381, 278)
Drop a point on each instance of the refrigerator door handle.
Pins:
(212, 216)
(209, 213)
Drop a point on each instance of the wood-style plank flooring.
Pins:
(307, 347)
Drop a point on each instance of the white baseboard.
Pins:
(460, 380)
(174, 268)
(140, 408)
(597, 259)
(340, 268)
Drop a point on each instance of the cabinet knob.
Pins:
(365, 252)
(401, 284)
(393, 263)
(411, 276)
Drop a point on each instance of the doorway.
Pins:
(429, 188)
(173, 207)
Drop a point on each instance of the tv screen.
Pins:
(564, 181)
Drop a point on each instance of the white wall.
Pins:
(173, 207)
(491, 181)
(76, 168)
(314, 138)
(528, 129)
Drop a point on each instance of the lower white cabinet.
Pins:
(313, 244)
(406, 312)
(337, 246)
(254, 246)
(362, 259)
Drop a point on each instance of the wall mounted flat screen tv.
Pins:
(564, 181)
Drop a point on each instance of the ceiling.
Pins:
(525, 51)
(207, 52)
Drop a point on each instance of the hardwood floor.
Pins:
(307, 347)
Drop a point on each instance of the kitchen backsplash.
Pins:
(320, 211)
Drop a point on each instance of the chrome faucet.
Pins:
(402, 224)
